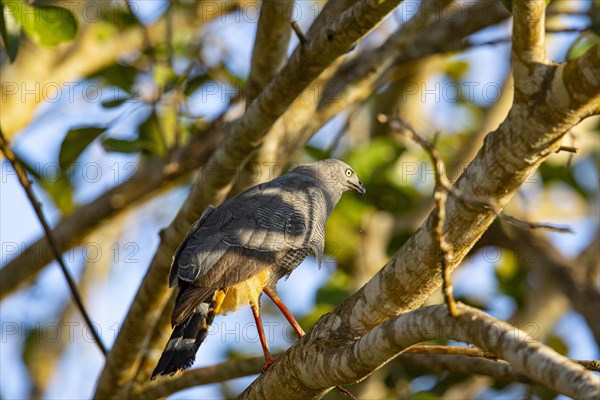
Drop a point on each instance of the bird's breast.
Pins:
(243, 293)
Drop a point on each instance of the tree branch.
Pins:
(440, 195)
(353, 361)
(37, 207)
(455, 359)
(270, 46)
(528, 48)
(221, 372)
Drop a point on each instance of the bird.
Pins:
(242, 248)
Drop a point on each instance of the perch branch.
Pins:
(353, 361)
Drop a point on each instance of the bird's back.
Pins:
(253, 231)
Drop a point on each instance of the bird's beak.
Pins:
(360, 188)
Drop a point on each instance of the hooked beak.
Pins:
(360, 188)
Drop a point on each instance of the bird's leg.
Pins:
(284, 310)
(299, 331)
(261, 335)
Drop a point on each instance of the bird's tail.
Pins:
(188, 335)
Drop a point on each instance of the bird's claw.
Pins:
(267, 365)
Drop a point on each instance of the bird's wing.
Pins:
(250, 232)
(175, 260)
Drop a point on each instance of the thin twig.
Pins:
(471, 351)
(24, 180)
(298, 32)
(468, 43)
(505, 217)
(340, 134)
(569, 149)
(534, 225)
(592, 365)
(440, 196)
(443, 187)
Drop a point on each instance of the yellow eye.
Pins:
(348, 172)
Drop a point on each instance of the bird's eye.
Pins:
(348, 172)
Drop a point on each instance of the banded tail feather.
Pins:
(191, 322)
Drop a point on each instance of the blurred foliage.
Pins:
(560, 173)
(46, 25)
(11, 32)
(583, 43)
(512, 278)
(75, 143)
(55, 184)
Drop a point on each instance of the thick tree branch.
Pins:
(528, 49)
(455, 359)
(270, 46)
(576, 83)
(241, 139)
(353, 361)
(528, 31)
(221, 372)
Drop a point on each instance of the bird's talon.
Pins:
(267, 365)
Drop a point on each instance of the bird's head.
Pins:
(336, 174)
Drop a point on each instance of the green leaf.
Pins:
(151, 137)
(60, 191)
(120, 16)
(10, 29)
(512, 277)
(120, 75)
(46, 25)
(557, 344)
(336, 290)
(164, 76)
(121, 145)
(193, 84)
(55, 183)
(75, 143)
(582, 44)
(315, 153)
(114, 103)
(457, 69)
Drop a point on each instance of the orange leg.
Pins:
(261, 335)
(299, 331)
(286, 313)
